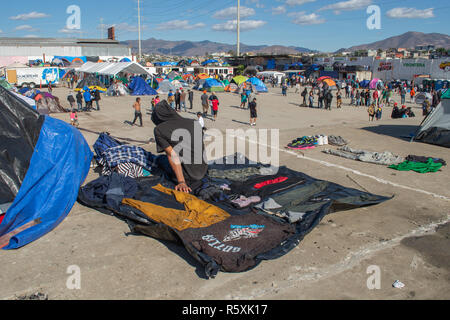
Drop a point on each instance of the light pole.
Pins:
(139, 31)
(238, 28)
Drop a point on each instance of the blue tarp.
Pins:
(139, 87)
(259, 85)
(364, 84)
(271, 64)
(125, 60)
(332, 74)
(204, 63)
(58, 167)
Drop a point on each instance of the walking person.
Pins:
(137, 111)
(338, 99)
(171, 99)
(71, 100)
(243, 100)
(304, 94)
(358, 98)
(191, 98)
(87, 99)
(177, 100)
(214, 105)
(311, 99)
(371, 111)
(205, 103)
(50, 89)
(79, 97)
(253, 113)
(320, 98)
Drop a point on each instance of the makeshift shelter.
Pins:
(199, 84)
(119, 88)
(165, 86)
(29, 101)
(435, 128)
(172, 75)
(139, 87)
(92, 83)
(46, 104)
(257, 84)
(212, 85)
(44, 161)
(203, 76)
(364, 84)
(252, 71)
(239, 80)
(330, 83)
(422, 96)
(210, 61)
(375, 84)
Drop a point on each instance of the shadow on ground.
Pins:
(403, 132)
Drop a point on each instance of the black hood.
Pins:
(163, 112)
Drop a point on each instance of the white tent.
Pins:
(113, 68)
(120, 89)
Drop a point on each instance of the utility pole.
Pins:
(139, 28)
(238, 28)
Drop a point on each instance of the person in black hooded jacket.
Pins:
(182, 141)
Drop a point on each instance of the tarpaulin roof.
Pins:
(113, 68)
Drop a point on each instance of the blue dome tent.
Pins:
(139, 87)
(258, 84)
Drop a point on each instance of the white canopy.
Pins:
(113, 68)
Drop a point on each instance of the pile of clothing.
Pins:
(308, 142)
(420, 164)
(337, 141)
(240, 215)
(127, 160)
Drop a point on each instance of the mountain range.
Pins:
(201, 48)
(408, 40)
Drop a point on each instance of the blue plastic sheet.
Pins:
(58, 167)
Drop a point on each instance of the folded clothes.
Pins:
(303, 142)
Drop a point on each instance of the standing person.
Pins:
(87, 99)
(183, 100)
(284, 89)
(71, 100)
(97, 98)
(371, 111)
(214, 105)
(68, 82)
(74, 118)
(352, 97)
(320, 98)
(243, 99)
(79, 97)
(403, 95)
(171, 99)
(311, 99)
(137, 111)
(191, 98)
(338, 99)
(201, 120)
(328, 99)
(304, 94)
(205, 103)
(50, 89)
(297, 87)
(379, 111)
(375, 97)
(72, 81)
(253, 113)
(358, 98)
(412, 93)
(368, 97)
(177, 100)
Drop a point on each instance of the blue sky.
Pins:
(325, 25)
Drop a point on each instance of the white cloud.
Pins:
(302, 18)
(298, 2)
(257, 3)
(410, 13)
(69, 31)
(31, 15)
(279, 10)
(348, 5)
(245, 25)
(31, 36)
(179, 25)
(25, 27)
(231, 12)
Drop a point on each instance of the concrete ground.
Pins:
(406, 238)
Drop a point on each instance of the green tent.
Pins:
(178, 78)
(239, 80)
(446, 94)
(5, 84)
(226, 82)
